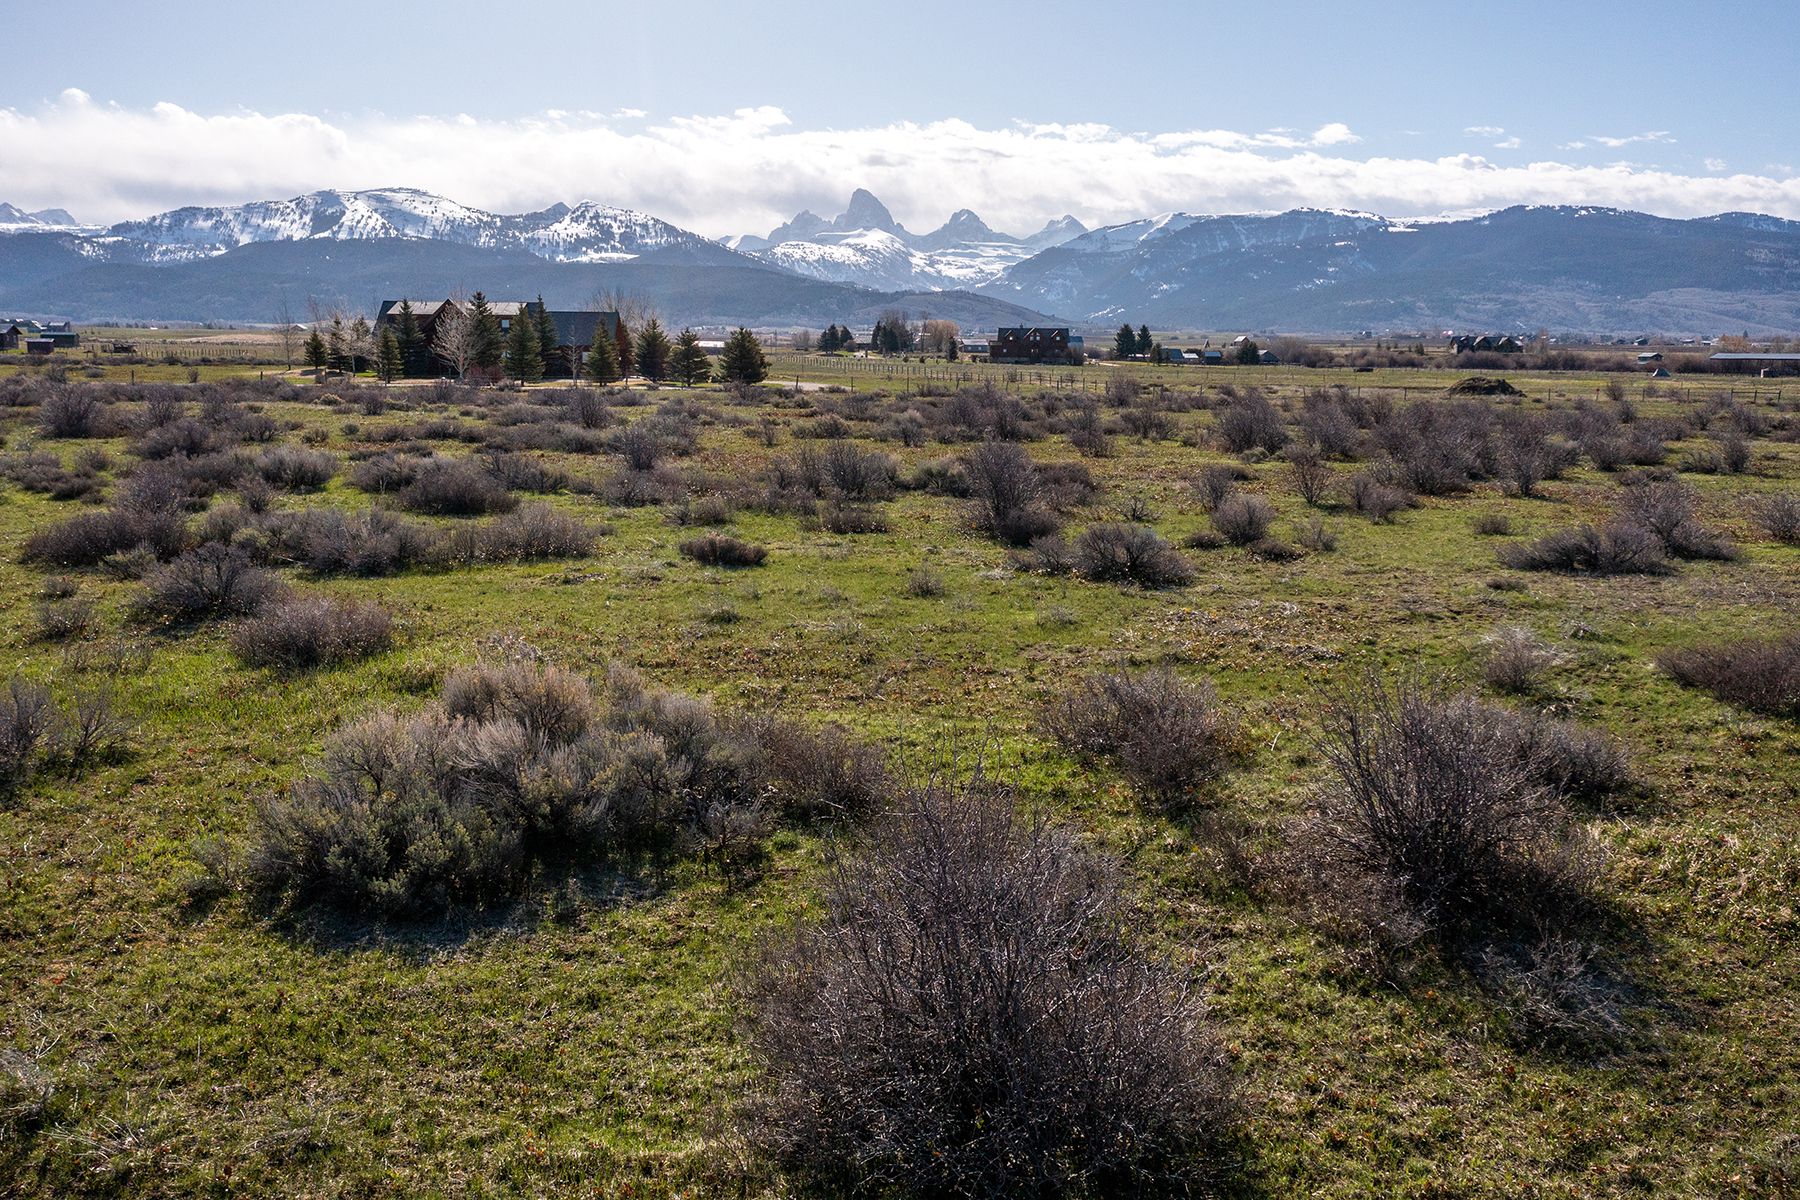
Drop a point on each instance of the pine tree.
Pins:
(687, 362)
(743, 360)
(415, 353)
(1143, 339)
(524, 360)
(602, 363)
(549, 343)
(337, 354)
(316, 353)
(489, 343)
(1249, 354)
(1124, 342)
(652, 351)
(389, 362)
(622, 343)
(828, 340)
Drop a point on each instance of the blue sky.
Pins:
(728, 121)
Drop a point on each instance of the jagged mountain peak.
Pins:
(866, 212)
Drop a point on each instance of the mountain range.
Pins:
(865, 245)
(1569, 269)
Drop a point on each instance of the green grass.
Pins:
(583, 1042)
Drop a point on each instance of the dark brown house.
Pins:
(1038, 344)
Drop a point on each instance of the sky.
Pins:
(730, 118)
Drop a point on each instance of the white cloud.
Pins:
(1511, 143)
(751, 169)
(1613, 143)
(1715, 164)
(1484, 131)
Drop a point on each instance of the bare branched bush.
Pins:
(85, 540)
(302, 632)
(93, 728)
(720, 550)
(530, 533)
(27, 720)
(1168, 737)
(212, 581)
(1516, 659)
(1491, 524)
(1310, 474)
(1242, 519)
(459, 488)
(1215, 483)
(370, 542)
(293, 469)
(1249, 422)
(972, 1016)
(1778, 515)
(1377, 499)
(1667, 509)
(1617, 548)
(1117, 552)
(1763, 676)
(1006, 495)
(1432, 805)
(520, 767)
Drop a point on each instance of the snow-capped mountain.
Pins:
(586, 233)
(864, 245)
(14, 219)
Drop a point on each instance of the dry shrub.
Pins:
(521, 767)
(719, 550)
(1557, 992)
(60, 620)
(1492, 524)
(1006, 494)
(310, 631)
(1754, 674)
(1617, 548)
(1667, 508)
(293, 469)
(1778, 516)
(531, 533)
(371, 542)
(837, 516)
(212, 581)
(1168, 737)
(1434, 819)
(1311, 475)
(1115, 551)
(1377, 499)
(454, 489)
(27, 719)
(972, 1016)
(1215, 483)
(85, 540)
(1516, 659)
(1250, 422)
(1242, 519)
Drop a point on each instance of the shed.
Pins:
(39, 346)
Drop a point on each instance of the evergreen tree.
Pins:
(549, 343)
(415, 352)
(524, 360)
(489, 344)
(652, 351)
(951, 350)
(1156, 352)
(337, 353)
(316, 353)
(687, 363)
(828, 340)
(1143, 339)
(622, 343)
(743, 360)
(1124, 342)
(1249, 354)
(602, 362)
(389, 362)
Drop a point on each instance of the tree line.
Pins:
(472, 341)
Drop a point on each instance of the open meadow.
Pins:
(1150, 605)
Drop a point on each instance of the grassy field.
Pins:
(583, 1041)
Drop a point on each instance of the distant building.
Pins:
(1765, 363)
(1650, 357)
(1469, 343)
(1020, 344)
(1212, 358)
(39, 345)
(574, 329)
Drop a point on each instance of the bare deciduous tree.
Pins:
(454, 339)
